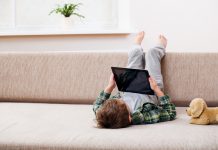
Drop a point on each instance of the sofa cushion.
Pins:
(65, 127)
(77, 77)
(191, 75)
(55, 77)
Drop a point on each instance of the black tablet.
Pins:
(132, 80)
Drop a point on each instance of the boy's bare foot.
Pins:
(139, 37)
(162, 41)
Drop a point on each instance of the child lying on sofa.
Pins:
(128, 108)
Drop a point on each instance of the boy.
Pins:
(132, 108)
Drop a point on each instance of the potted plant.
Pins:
(67, 10)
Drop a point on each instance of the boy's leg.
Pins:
(136, 58)
(153, 61)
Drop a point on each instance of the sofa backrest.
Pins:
(191, 75)
(78, 77)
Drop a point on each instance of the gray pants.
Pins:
(150, 62)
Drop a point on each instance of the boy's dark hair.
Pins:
(113, 114)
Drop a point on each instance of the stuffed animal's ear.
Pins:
(188, 111)
(197, 107)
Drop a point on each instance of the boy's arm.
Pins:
(168, 111)
(150, 113)
(147, 114)
(104, 95)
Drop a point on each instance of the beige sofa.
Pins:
(46, 102)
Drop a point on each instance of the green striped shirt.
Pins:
(147, 113)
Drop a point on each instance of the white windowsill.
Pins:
(65, 32)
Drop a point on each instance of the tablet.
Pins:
(132, 80)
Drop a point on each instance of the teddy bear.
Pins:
(201, 114)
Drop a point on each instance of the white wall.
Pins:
(190, 25)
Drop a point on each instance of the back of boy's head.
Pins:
(113, 114)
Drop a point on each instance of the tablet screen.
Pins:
(132, 80)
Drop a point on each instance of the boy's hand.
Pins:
(154, 87)
(153, 83)
(111, 84)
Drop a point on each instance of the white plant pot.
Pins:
(67, 23)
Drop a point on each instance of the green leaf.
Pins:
(67, 10)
